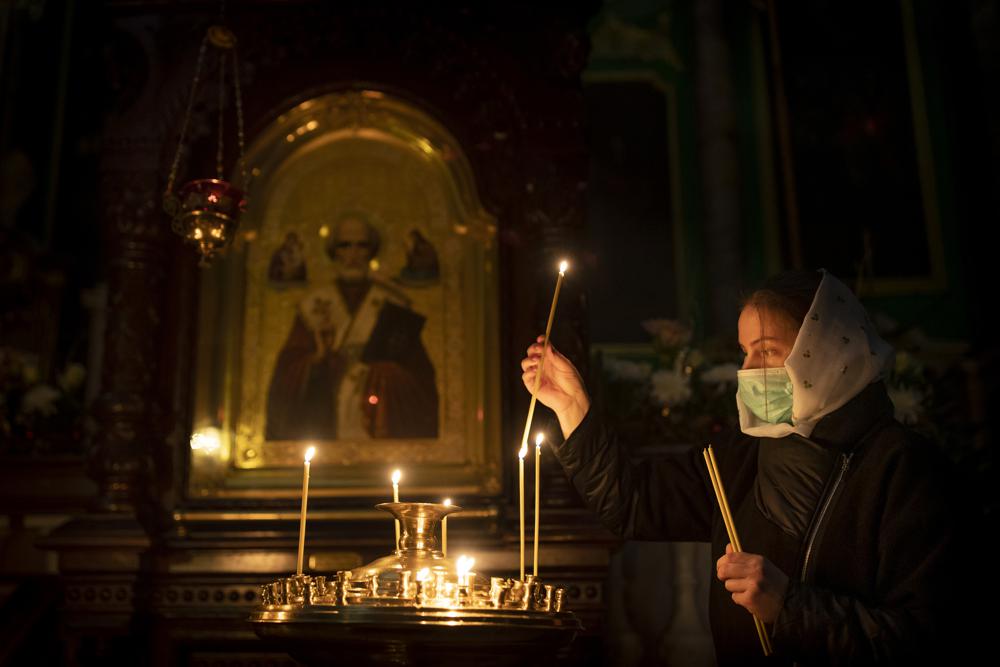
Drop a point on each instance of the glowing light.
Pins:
(310, 453)
(539, 439)
(207, 440)
(424, 574)
(374, 264)
(396, 476)
(324, 231)
(425, 146)
(290, 138)
(563, 266)
(447, 502)
(464, 565)
(373, 400)
(312, 125)
(523, 451)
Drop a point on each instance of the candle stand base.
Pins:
(415, 607)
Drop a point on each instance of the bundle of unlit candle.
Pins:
(734, 539)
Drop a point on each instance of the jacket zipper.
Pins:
(844, 465)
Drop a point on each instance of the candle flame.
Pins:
(447, 502)
(563, 265)
(464, 564)
(207, 440)
(396, 476)
(523, 451)
(539, 439)
(310, 453)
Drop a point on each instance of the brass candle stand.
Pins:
(415, 606)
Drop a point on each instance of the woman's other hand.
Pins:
(755, 582)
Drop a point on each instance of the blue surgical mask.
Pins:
(767, 392)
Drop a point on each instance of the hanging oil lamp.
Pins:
(206, 211)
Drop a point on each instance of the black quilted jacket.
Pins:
(863, 517)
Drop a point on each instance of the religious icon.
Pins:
(358, 314)
(288, 262)
(422, 268)
(353, 365)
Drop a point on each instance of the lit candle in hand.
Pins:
(539, 438)
(541, 362)
(396, 475)
(444, 530)
(305, 500)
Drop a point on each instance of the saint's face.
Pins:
(766, 337)
(353, 249)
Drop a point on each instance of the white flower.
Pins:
(621, 369)
(41, 398)
(671, 388)
(907, 403)
(72, 377)
(721, 374)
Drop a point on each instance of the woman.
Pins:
(845, 518)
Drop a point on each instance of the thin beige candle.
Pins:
(539, 438)
(563, 266)
(444, 530)
(305, 501)
(520, 465)
(396, 475)
(734, 539)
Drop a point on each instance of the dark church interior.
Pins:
(232, 230)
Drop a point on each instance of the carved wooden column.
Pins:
(103, 554)
(135, 234)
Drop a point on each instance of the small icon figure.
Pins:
(288, 263)
(422, 268)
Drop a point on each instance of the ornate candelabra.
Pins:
(414, 606)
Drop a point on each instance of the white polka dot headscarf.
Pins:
(837, 353)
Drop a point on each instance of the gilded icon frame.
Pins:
(350, 150)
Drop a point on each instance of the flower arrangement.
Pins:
(38, 417)
(671, 391)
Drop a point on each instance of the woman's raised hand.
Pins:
(561, 387)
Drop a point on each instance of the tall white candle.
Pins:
(305, 501)
(444, 530)
(520, 466)
(539, 438)
(396, 475)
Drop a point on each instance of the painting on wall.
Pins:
(358, 311)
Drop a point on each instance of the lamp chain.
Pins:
(187, 117)
(222, 101)
(239, 119)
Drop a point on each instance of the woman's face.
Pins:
(766, 337)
